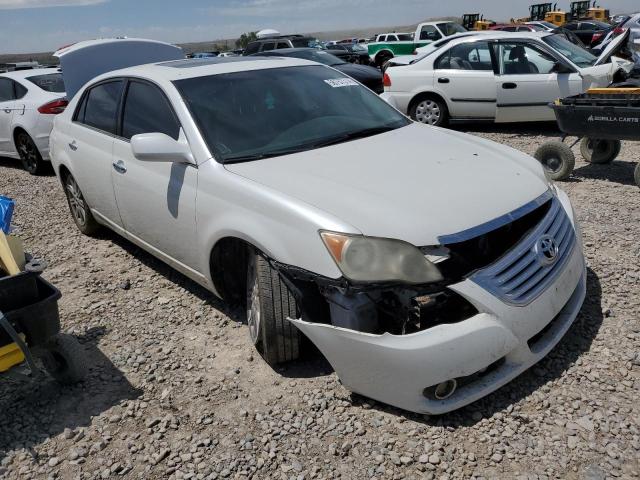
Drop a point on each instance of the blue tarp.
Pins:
(6, 212)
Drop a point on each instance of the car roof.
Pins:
(31, 72)
(203, 67)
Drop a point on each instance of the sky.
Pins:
(44, 25)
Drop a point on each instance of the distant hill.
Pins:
(230, 44)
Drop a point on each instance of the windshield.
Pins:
(319, 56)
(451, 28)
(405, 37)
(257, 114)
(51, 82)
(577, 55)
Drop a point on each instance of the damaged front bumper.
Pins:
(481, 353)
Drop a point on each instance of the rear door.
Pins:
(90, 146)
(527, 83)
(7, 106)
(464, 75)
(156, 200)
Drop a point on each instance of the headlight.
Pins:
(367, 259)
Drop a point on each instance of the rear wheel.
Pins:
(557, 159)
(269, 303)
(598, 151)
(29, 154)
(382, 58)
(430, 111)
(80, 211)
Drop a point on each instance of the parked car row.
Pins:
(286, 186)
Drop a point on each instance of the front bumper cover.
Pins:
(396, 369)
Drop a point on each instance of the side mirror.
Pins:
(158, 147)
(560, 67)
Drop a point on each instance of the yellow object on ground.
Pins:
(7, 260)
(10, 356)
(614, 91)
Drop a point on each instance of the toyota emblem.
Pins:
(546, 250)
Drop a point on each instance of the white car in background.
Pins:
(427, 281)
(501, 77)
(29, 101)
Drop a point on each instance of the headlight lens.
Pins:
(367, 259)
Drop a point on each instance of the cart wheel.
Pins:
(63, 358)
(636, 175)
(557, 159)
(599, 151)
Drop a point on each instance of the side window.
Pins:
(392, 38)
(466, 56)
(268, 46)
(20, 90)
(101, 106)
(282, 45)
(429, 32)
(524, 29)
(252, 48)
(6, 89)
(522, 59)
(147, 110)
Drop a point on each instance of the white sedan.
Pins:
(29, 100)
(501, 77)
(427, 281)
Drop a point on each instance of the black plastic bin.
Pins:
(30, 303)
(607, 117)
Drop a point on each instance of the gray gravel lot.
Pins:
(176, 390)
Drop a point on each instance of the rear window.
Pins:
(51, 82)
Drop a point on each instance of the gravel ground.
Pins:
(176, 391)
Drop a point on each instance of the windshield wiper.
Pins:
(346, 137)
(260, 156)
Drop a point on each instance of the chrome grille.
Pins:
(520, 276)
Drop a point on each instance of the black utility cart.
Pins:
(600, 118)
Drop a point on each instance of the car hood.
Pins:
(416, 183)
(363, 73)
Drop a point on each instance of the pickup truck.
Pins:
(387, 46)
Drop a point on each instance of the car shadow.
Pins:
(14, 163)
(576, 341)
(33, 410)
(617, 171)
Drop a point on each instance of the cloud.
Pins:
(21, 4)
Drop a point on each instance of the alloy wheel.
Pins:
(76, 201)
(428, 112)
(28, 152)
(253, 302)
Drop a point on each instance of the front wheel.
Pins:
(29, 155)
(269, 304)
(599, 151)
(80, 211)
(557, 159)
(430, 111)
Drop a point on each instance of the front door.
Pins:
(7, 106)
(527, 84)
(89, 145)
(156, 200)
(464, 75)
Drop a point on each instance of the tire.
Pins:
(29, 154)
(557, 159)
(63, 358)
(269, 303)
(430, 111)
(382, 58)
(600, 151)
(80, 211)
(636, 174)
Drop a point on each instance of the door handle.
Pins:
(509, 85)
(119, 166)
(7, 110)
(443, 80)
(73, 146)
